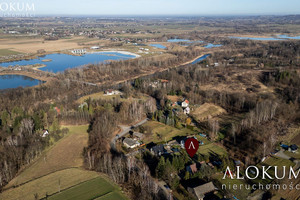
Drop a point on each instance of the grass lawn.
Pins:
(211, 148)
(162, 132)
(48, 184)
(92, 189)
(240, 193)
(273, 161)
(60, 164)
(66, 153)
(293, 155)
(8, 52)
(111, 196)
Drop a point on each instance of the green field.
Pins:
(273, 161)
(97, 188)
(239, 193)
(161, 132)
(211, 148)
(48, 184)
(66, 153)
(111, 196)
(60, 168)
(8, 52)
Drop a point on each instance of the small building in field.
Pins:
(200, 191)
(130, 143)
(78, 51)
(95, 47)
(111, 92)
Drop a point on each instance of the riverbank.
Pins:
(28, 74)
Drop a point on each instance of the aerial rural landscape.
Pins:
(102, 106)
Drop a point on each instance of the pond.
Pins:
(15, 81)
(209, 45)
(200, 59)
(289, 37)
(60, 62)
(160, 46)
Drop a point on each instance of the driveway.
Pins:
(125, 129)
(281, 154)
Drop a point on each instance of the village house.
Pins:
(185, 103)
(95, 47)
(78, 51)
(186, 111)
(45, 133)
(200, 191)
(57, 110)
(158, 150)
(130, 143)
(293, 148)
(193, 168)
(111, 92)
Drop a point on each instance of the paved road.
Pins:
(125, 130)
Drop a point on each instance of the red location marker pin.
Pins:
(191, 146)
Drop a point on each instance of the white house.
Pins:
(187, 110)
(78, 51)
(95, 47)
(185, 104)
(112, 92)
(130, 143)
(45, 133)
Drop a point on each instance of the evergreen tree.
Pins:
(160, 169)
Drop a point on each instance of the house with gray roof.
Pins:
(200, 191)
(130, 143)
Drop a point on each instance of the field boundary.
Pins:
(16, 186)
(44, 198)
